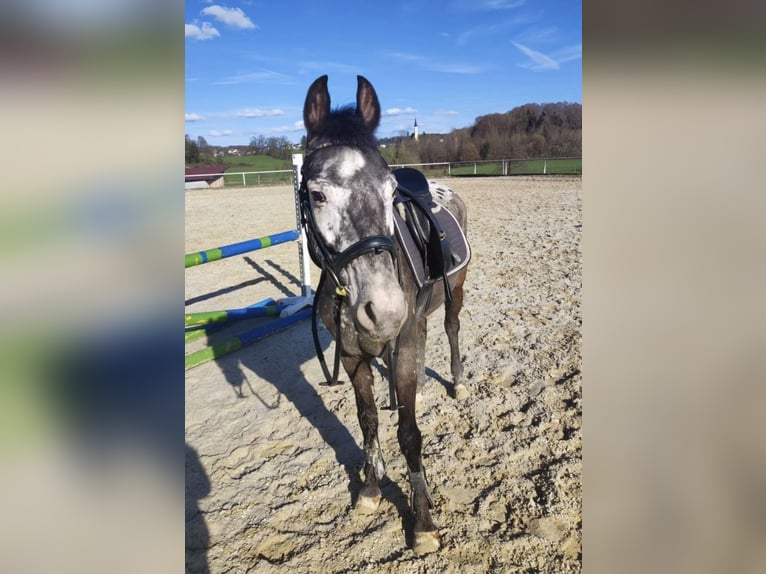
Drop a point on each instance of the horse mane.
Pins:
(343, 126)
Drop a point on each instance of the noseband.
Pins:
(332, 263)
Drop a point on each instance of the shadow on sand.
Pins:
(277, 360)
(196, 532)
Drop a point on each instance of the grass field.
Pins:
(256, 163)
(521, 167)
(264, 163)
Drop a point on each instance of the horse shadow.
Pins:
(449, 387)
(264, 275)
(197, 535)
(224, 291)
(277, 359)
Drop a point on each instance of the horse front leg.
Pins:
(361, 378)
(426, 535)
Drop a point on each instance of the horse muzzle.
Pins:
(377, 302)
(380, 312)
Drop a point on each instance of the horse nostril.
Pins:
(370, 313)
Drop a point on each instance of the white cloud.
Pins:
(481, 5)
(488, 31)
(540, 61)
(275, 130)
(501, 4)
(259, 113)
(220, 133)
(569, 53)
(536, 34)
(253, 77)
(193, 117)
(206, 32)
(399, 111)
(233, 17)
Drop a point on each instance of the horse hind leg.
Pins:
(420, 365)
(452, 327)
(374, 469)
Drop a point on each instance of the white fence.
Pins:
(496, 167)
(536, 166)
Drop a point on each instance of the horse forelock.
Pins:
(342, 126)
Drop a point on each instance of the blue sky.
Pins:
(444, 62)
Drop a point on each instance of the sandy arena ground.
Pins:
(273, 459)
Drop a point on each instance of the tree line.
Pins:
(528, 131)
(278, 147)
(199, 152)
(525, 132)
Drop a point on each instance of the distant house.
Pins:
(204, 177)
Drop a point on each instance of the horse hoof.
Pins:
(426, 542)
(461, 392)
(367, 504)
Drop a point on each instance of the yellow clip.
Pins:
(340, 291)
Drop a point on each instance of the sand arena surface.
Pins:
(273, 458)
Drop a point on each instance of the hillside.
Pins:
(528, 131)
(532, 130)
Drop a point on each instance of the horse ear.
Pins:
(317, 105)
(367, 104)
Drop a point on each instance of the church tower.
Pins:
(416, 130)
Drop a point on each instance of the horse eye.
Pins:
(318, 197)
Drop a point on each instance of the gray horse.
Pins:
(369, 302)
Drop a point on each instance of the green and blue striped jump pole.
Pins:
(270, 308)
(200, 257)
(246, 338)
(208, 317)
(289, 309)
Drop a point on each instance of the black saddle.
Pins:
(426, 230)
(413, 184)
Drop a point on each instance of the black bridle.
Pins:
(332, 263)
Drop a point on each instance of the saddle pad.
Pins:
(461, 251)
